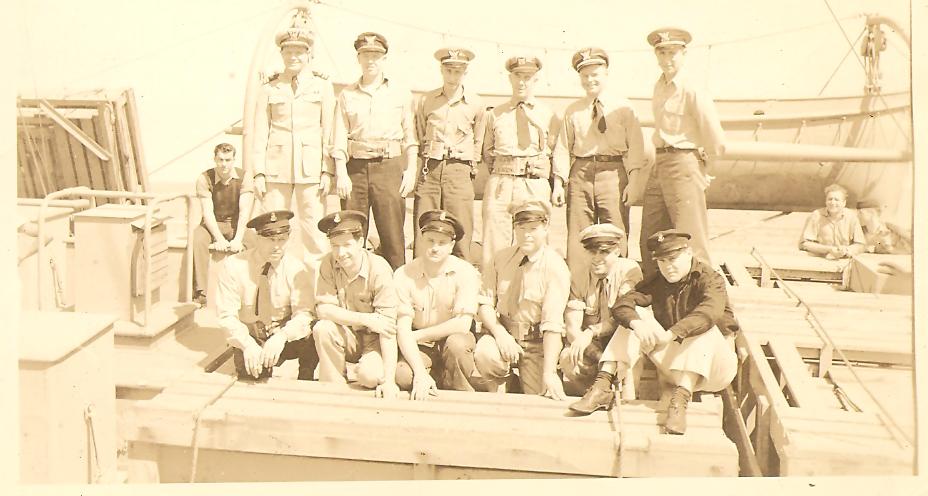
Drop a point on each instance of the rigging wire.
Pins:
(894, 428)
(864, 31)
(159, 51)
(863, 66)
(193, 148)
(417, 27)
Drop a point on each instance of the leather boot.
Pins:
(676, 411)
(595, 398)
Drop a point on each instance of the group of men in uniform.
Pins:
(437, 322)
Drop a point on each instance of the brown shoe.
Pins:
(594, 399)
(676, 411)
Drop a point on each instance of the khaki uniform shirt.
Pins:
(291, 293)
(684, 116)
(291, 130)
(501, 138)
(544, 292)
(584, 293)
(371, 290)
(452, 126)
(383, 114)
(841, 230)
(430, 302)
(580, 137)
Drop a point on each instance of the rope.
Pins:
(196, 427)
(894, 428)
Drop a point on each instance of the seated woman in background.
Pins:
(834, 231)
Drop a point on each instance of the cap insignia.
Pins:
(370, 39)
(665, 36)
(442, 216)
(273, 217)
(337, 218)
(586, 54)
(454, 54)
(660, 237)
(521, 61)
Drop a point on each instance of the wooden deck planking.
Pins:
(517, 432)
(796, 374)
(815, 437)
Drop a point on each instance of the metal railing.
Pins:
(153, 200)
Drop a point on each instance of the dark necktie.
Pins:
(602, 301)
(515, 289)
(293, 85)
(522, 132)
(263, 299)
(599, 113)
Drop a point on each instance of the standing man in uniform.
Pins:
(686, 131)
(356, 305)
(293, 122)
(437, 295)
(450, 127)
(375, 147)
(594, 289)
(265, 302)
(601, 144)
(520, 135)
(525, 291)
(226, 206)
(688, 332)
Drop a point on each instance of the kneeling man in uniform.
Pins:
(264, 302)
(594, 288)
(688, 332)
(525, 290)
(437, 295)
(356, 304)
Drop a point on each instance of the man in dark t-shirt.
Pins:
(226, 207)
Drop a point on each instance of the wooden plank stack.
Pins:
(314, 425)
(90, 142)
(806, 413)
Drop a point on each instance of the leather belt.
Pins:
(603, 158)
(673, 149)
(521, 331)
(375, 149)
(534, 167)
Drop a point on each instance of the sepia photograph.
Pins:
(328, 241)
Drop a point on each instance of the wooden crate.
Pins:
(472, 433)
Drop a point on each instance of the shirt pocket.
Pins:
(279, 106)
(365, 301)
(309, 109)
(674, 113)
(533, 288)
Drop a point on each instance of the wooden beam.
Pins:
(125, 147)
(135, 133)
(73, 130)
